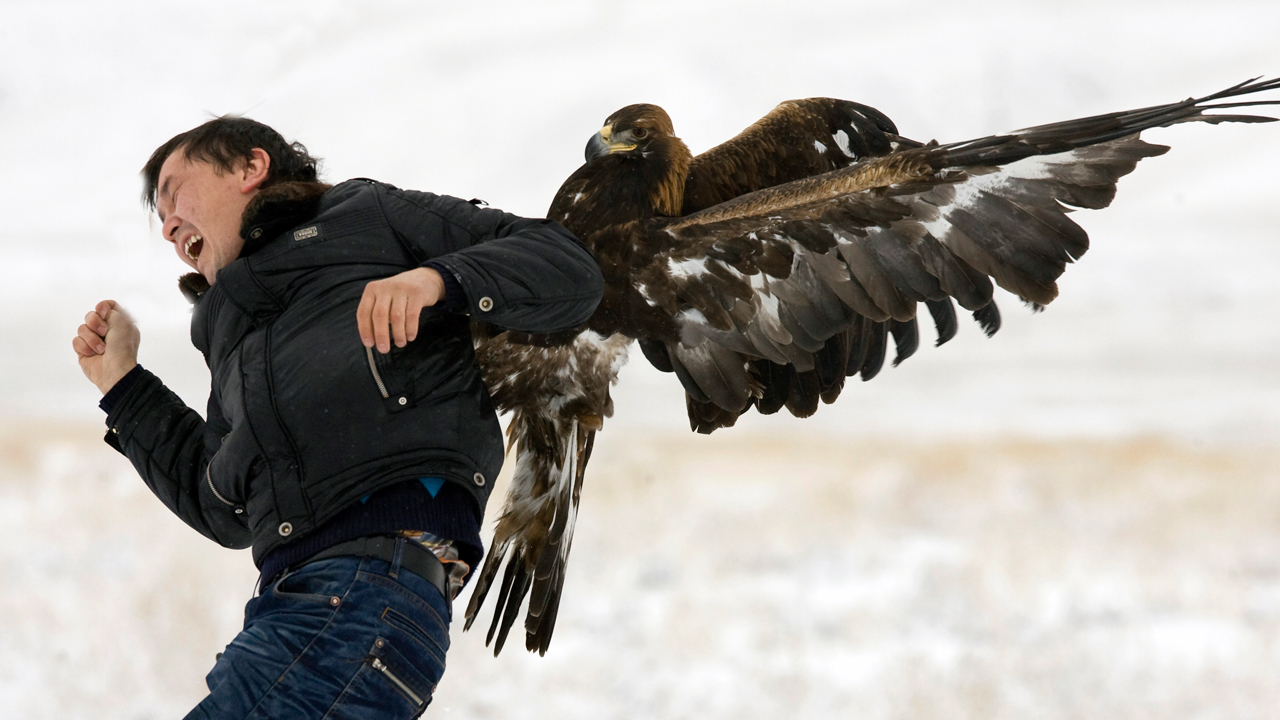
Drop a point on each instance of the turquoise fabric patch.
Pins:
(432, 484)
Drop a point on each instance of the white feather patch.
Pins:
(1039, 167)
(842, 142)
(692, 267)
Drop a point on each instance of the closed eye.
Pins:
(166, 193)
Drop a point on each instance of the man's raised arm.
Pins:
(163, 438)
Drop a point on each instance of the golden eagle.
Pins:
(768, 269)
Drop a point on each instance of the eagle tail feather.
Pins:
(508, 605)
(485, 580)
(548, 581)
(535, 532)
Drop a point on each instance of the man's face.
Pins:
(201, 206)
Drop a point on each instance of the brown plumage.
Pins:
(767, 270)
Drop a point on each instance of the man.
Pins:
(349, 439)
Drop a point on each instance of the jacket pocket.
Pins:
(428, 367)
(229, 473)
(208, 478)
(394, 385)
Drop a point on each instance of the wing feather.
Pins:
(936, 235)
(859, 345)
(776, 379)
(877, 344)
(718, 371)
(906, 339)
(944, 319)
(797, 139)
(806, 392)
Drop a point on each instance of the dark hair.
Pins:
(227, 141)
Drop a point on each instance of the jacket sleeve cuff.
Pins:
(123, 418)
(117, 391)
(455, 297)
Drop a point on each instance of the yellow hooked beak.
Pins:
(602, 143)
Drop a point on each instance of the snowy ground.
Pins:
(741, 577)
(1076, 518)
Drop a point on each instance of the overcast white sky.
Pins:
(937, 579)
(1170, 324)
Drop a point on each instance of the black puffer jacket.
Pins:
(303, 421)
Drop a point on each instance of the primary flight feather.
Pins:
(765, 271)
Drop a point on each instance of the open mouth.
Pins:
(193, 246)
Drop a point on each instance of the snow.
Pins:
(741, 576)
(900, 577)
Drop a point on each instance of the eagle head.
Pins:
(643, 134)
(633, 129)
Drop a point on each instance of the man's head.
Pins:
(200, 182)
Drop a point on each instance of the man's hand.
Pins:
(107, 345)
(396, 302)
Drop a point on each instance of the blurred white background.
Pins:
(1076, 518)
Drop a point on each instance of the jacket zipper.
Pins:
(209, 479)
(373, 367)
(382, 668)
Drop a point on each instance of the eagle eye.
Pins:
(639, 133)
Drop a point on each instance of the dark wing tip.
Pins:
(906, 338)
(944, 319)
(988, 316)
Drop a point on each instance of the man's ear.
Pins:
(254, 171)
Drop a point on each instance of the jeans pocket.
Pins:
(324, 582)
(418, 634)
(386, 685)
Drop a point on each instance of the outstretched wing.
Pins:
(797, 139)
(759, 284)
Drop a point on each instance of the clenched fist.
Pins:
(107, 345)
(396, 303)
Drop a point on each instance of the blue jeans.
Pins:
(346, 637)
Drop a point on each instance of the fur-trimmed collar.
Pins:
(271, 211)
(277, 205)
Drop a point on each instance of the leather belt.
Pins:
(413, 557)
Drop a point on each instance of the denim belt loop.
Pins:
(395, 558)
